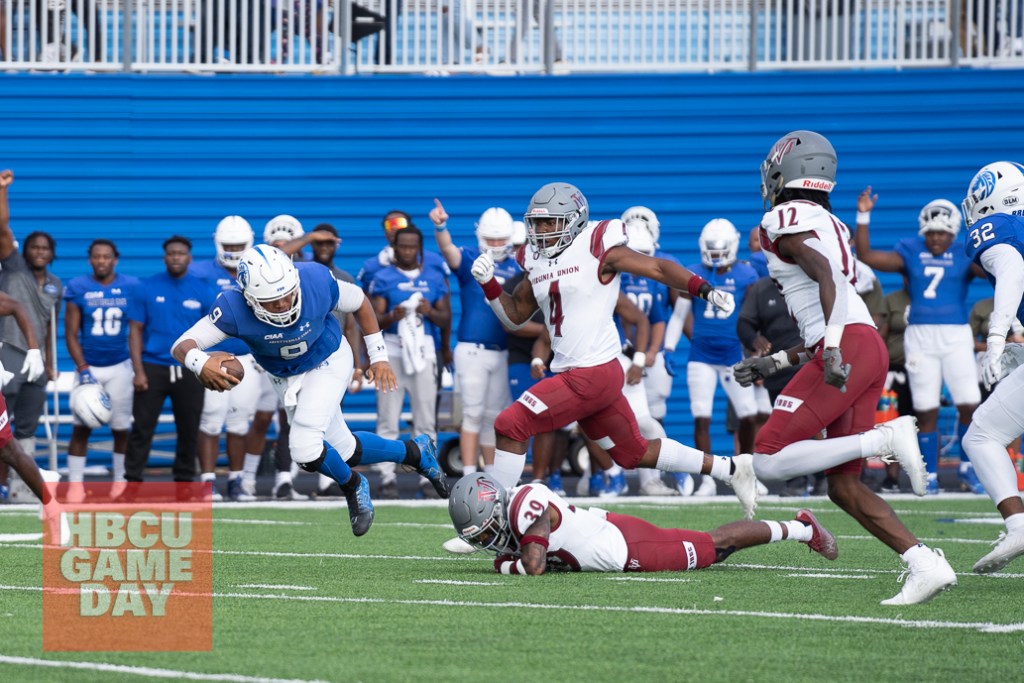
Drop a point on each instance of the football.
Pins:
(233, 367)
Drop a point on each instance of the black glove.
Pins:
(836, 373)
(749, 370)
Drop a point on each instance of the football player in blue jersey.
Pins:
(715, 346)
(994, 212)
(96, 333)
(481, 354)
(283, 312)
(411, 302)
(234, 410)
(938, 344)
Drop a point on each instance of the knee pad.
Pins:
(314, 465)
(472, 417)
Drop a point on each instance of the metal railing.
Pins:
(506, 36)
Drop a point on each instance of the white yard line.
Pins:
(145, 671)
(832, 576)
(274, 586)
(651, 579)
(448, 582)
(18, 538)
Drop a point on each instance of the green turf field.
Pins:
(296, 597)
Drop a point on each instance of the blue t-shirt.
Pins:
(219, 279)
(478, 323)
(759, 262)
(999, 228)
(714, 335)
(650, 296)
(167, 306)
(396, 286)
(292, 350)
(431, 261)
(103, 332)
(937, 284)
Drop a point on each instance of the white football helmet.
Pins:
(719, 243)
(939, 215)
(283, 228)
(91, 405)
(996, 188)
(639, 236)
(266, 274)
(518, 233)
(649, 218)
(495, 224)
(232, 230)
(564, 203)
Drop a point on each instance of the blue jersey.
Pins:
(478, 323)
(292, 350)
(219, 279)
(167, 306)
(650, 296)
(714, 335)
(103, 332)
(937, 284)
(431, 261)
(396, 286)
(759, 262)
(1000, 228)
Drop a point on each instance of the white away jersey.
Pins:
(799, 290)
(577, 304)
(583, 540)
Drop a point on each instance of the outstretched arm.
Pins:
(888, 261)
(292, 247)
(439, 217)
(6, 236)
(624, 260)
(513, 310)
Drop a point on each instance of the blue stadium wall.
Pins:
(137, 158)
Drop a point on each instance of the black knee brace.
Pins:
(314, 465)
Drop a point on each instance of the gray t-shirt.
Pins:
(20, 283)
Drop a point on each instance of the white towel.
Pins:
(291, 394)
(410, 333)
(5, 376)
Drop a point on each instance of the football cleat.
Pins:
(744, 483)
(707, 487)
(684, 483)
(236, 492)
(1010, 545)
(429, 466)
(360, 507)
(822, 541)
(656, 487)
(286, 491)
(901, 446)
(925, 578)
(969, 480)
(249, 486)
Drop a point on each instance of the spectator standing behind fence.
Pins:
(170, 303)
(26, 277)
(937, 341)
(481, 354)
(96, 334)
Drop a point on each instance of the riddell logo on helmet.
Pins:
(818, 185)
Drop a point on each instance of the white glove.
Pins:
(483, 268)
(991, 364)
(33, 368)
(722, 301)
(386, 256)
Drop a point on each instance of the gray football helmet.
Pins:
(564, 203)
(478, 506)
(801, 159)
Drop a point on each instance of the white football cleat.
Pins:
(656, 487)
(1009, 546)
(707, 487)
(744, 483)
(457, 546)
(926, 577)
(901, 446)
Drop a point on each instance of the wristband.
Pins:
(863, 217)
(375, 349)
(639, 359)
(441, 228)
(833, 335)
(782, 358)
(492, 290)
(195, 359)
(538, 362)
(693, 287)
(539, 540)
(510, 567)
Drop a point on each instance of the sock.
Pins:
(914, 552)
(117, 460)
(807, 457)
(871, 442)
(721, 467)
(929, 443)
(489, 468)
(252, 465)
(412, 454)
(207, 476)
(776, 530)
(675, 457)
(614, 470)
(377, 449)
(508, 467)
(76, 467)
(335, 467)
(234, 474)
(1015, 522)
(468, 469)
(961, 429)
(798, 531)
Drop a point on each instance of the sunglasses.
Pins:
(396, 223)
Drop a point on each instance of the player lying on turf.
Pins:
(534, 530)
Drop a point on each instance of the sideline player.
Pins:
(938, 343)
(284, 315)
(535, 530)
(96, 334)
(993, 209)
(572, 274)
(809, 258)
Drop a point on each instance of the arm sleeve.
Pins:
(204, 333)
(1007, 266)
(674, 328)
(350, 297)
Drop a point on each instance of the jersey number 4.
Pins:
(555, 316)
